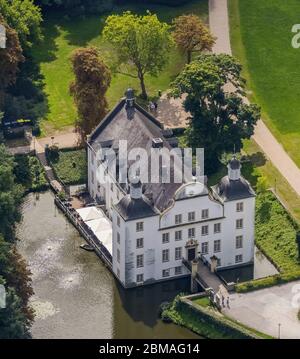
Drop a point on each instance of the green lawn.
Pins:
(71, 167)
(62, 36)
(261, 38)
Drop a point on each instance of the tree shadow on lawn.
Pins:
(46, 50)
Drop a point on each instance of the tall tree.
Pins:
(25, 17)
(10, 195)
(92, 79)
(219, 118)
(143, 41)
(10, 57)
(191, 35)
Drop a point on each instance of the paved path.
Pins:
(219, 25)
(265, 309)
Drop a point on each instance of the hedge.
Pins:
(207, 322)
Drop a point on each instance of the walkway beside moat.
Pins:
(268, 309)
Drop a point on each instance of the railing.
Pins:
(86, 232)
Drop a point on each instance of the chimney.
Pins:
(136, 188)
(129, 98)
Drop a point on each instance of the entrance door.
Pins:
(191, 254)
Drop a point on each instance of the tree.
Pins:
(92, 79)
(142, 41)
(10, 57)
(25, 17)
(219, 119)
(190, 35)
(10, 195)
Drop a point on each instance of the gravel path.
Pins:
(219, 25)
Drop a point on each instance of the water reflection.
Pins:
(75, 295)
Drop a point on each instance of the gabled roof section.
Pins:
(138, 128)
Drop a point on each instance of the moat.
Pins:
(75, 295)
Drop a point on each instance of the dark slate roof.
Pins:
(131, 209)
(229, 190)
(234, 164)
(138, 127)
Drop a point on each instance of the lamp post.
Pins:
(52, 139)
(279, 326)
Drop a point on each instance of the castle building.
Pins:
(155, 226)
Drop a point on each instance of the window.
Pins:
(139, 242)
(178, 253)
(204, 230)
(238, 242)
(217, 246)
(165, 237)
(165, 255)
(178, 235)
(112, 186)
(217, 227)
(191, 232)
(140, 260)
(118, 237)
(118, 221)
(93, 177)
(204, 214)
(178, 218)
(139, 278)
(204, 248)
(178, 270)
(219, 262)
(239, 258)
(118, 255)
(191, 216)
(139, 226)
(239, 223)
(240, 207)
(166, 273)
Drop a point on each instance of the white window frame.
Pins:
(239, 224)
(206, 232)
(191, 216)
(178, 253)
(178, 218)
(165, 255)
(139, 226)
(180, 236)
(191, 232)
(217, 246)
(205, 213)
(138, 244)
(140, 261)
(165, 237)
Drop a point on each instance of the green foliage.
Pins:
(30, 173)
(141, 40)
(92, 79)
(207, 322)
(219, 120)
(270, 62)
(275, 233)
(25, 17)
(71, 167)
(10, 195)
(62, 36)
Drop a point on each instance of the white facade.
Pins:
(155, 249)
(152, 232)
